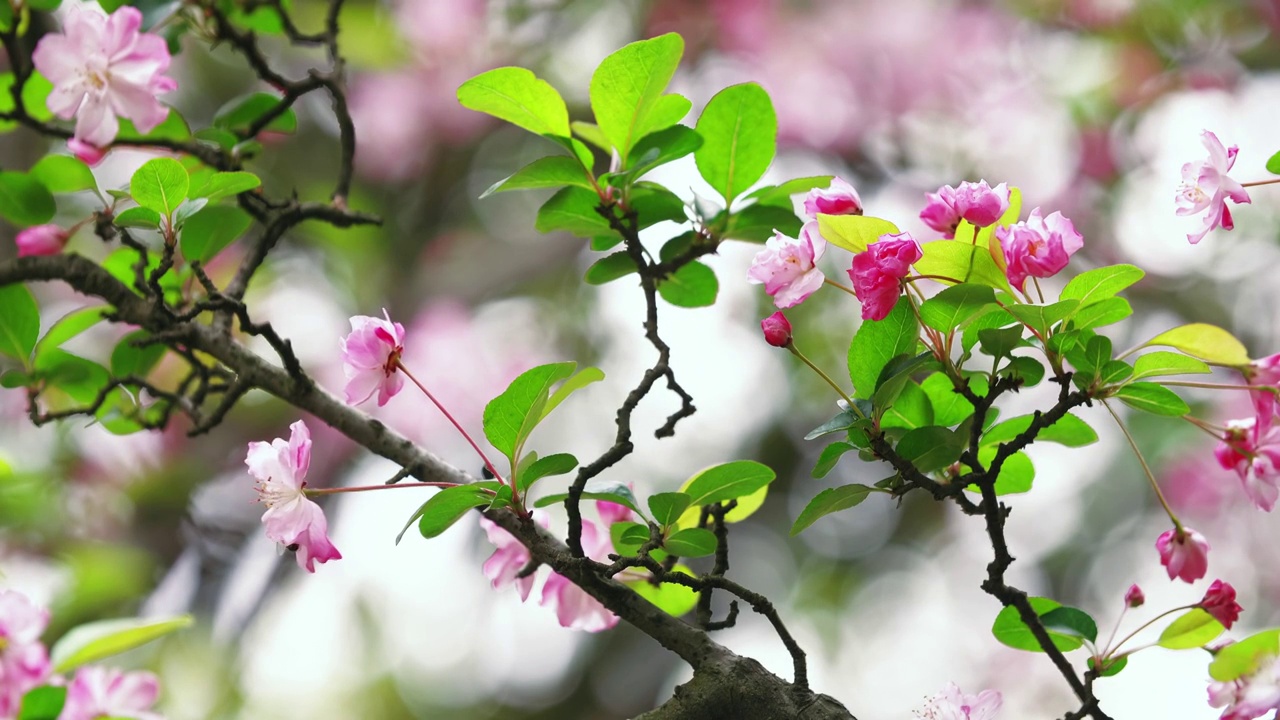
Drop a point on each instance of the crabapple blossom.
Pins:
(101, 692)
(1206, 186)
(1184, 553)
(877, 273)
(979, 203)
(24, 663)
(504, 565)
(952, 704)
(1220, 602)
(41, 240)
(1252, 449)
(1133, 597)
(840, 198)
(574, 607)
(611, 512)
(1264, 371)
(1038, 246)
(786, 266)
(777, 331)
(86, 153)
(1251, 696)
(291, 518)
(370, 357)
(102, 68)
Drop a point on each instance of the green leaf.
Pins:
(1017, 473)
(1210, 343)
(552, 171)
(668, 507)
(830, 456)
(1069, 430)
(692, 286)
(1273, 164)
(138, 217)
(653, 203)
(510, 417)
(24, 201)
(240, 114)
(19, 322)
(161, 184)
(728, 481)
(756, 223)
(843, 420)
(931, 448)
(130, 359)
(627, 86)
(661, 147)
(557, 464)
(63, 174)
(446, 508)
(1099, 284)
(740, 136)
(1011, 631)
(854, 232)
(1192, 629)
(1102, 313)
(1043, 317)
(876, 343)
(1000, 342)
(963, 262)
(628, 537)
(1114, 371)
(1027, 369)
(949, 407)
(610, 268)
(911, 409)
(96, 641)
(591, 133)
(1071, 621)
(226, 184)
(781, 194)
(1153, 398)
(950, 308)
(208, 232)
(993, 320)
(584, 377)
(573, 210)
(691, 543)
(829, 501)
(69, 326)
(671, 598)
(173, 127)
(620, 494)
(1112, 667)
(77, 377)
(1160, 362)
(1244, 657)
(188, 208)
(894, 378)
(43, 703)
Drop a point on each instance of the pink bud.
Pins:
(1184, 554)
(940, 211)
(981, 204)
(1133, 597)
(88, 154)
(838, 199)
(877, 273)
(777, 331)
(41, 240)
(1220, 602)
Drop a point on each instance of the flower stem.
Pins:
(834, 284)
(1212, 430)
(796, 351)
(1144, 626)
(1151, 478)
(367, 488)
(1256, 183)
(474, 446)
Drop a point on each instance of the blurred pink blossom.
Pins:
(611, 512)
(370, 356)
(291, 518)
(952, 704)
(787, 266)
(1206, 186)
(878, 271)
(1038, 247)
(102, 692)
(1220, 602)
(1264, 371)
(509, 558)
(840, 198)
(41, 240)
(1252, 449)
(574, 607)
(1184, 554)
(1251, 696)
(24, 663)
(88, 154)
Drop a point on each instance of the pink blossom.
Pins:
(1133, 597)
(777, 331)
(840, 198)
(505, 564)
(1251, 696)
(979, 203)
(88, 154)
(952, 704)
(370, 357)
(877, 273)
(1252, 449)
(940, 211)
(24, 663)
(291, 518)
(1220, 602)
(1206, 187)
(574, 607)
(1184, 553)
(611, 512)
(41, 240)
(1038, 247)
(786, 266)
(102, 692)
(1264, 371)
(101, 67)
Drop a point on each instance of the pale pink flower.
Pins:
(1133, 597)
(952, 704)
(1038, 247)
(877, 273)
(88, 154)
(1184, 554)
(611, 512)
(777, 331)
(786, 266)
(509, 559)
(1252, 449)
(1220, 602)
(24, 663)
(102, 692)
(1251, 696)
(41, 240)
(1206, 187)
(840, 198)
(291, 518)
(1264, 371)
(574, 607)
(101, 67)
(979, 203)
(370, 357)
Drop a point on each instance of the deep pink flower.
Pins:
(1220, 602)
(102, 692)
(979, 203)
(877, 273)
(952, 704)
(1251, 696)
(840, 198)
(1038, 247)
(509, 559)
(1133, 597)
(1184, 554)
(24, 663)
(611, 512)
(940, 211)
(88, 154)
(41, 240)
(291, 518)
(1206, 187)
(786, 266)
(101, 67)
(1264, 371)
(574, 607)
(777, 331)
(1252, 449)
(370, 357)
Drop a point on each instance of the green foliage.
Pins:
(24, 201)
(241, 114)
(1153, 398)
(876, 343)
(447, 507)
(693, 285)
(63, 174)
(35, 93)
(949, 407)
(950, 308)
(911, 409)
(729, 481)
(43, 703)
(1011, 631)
(510, 417)
(1111, 667)
(1017, 472)
(830, 456)
(1245, 656)
(610, 268)
(756, 223)
(672, 598)
(130, 359)
(557, 464)
(829, 501)
(225, 184)
(1068, 430)
(740, 134)
(552, 171)
(931, 448)
(613, 492)
(1273, 164)
(1160, 362)
(627, 91)
(1210, 343)
(661, 147)
(691, 543)
(1192, 629)
(1102, 313)
(854, 232)
(138, 217)
(161, 184)
(19, 322)
(209, 231)
(1043, 317)
(1093, 286)
(668, 507)
(780, 195)
(100, 640)
(573, 210)
(519, 97)
(67, 327)
(1070, 621)
(79, 378)
(962, 262)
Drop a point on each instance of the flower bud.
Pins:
(1220, 602)
(777, 331)
(88, 154)
(839, 199)
(41, 240)
(1134, 597)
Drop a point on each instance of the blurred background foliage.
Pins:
(1089, 106)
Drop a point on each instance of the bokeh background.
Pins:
(1089, 106)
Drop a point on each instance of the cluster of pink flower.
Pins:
(94, 692)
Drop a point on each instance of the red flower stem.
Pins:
(1256, 183)
(400, 366)
(1208, 427)
(1107, 653)
(367, 488)
(834, 284)
(1151, 478)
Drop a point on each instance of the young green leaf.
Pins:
(671, 598)
(1016, 474)
(781, 194)
(19, 322)
(130, 359)
(1101, 313)
(209, 231)
(43, 703)
(1043, 317)
(138, 217)
(557, 464)
(1011, 631)
(1153, 398)
(610, 268)
(854, 232)
(1160, 362)
(24, 201)
(843, 420)
(446, 508)
(692, 286)
(876, 343)
(620, 495)
(510, 417)
(949, 407)
(829, 501)
(829, 457)
(584, 377)
(241, 114)
(740, 136)
(96, 641)
(661, 147)
(1194, 628)
(725, 482)
(1068, 430)
(626, 91)
(950, 308)
(1071, 621)
(69, 326)
(1244, 657)
(225, 184)
(668, 507)
(1273, 164)
(628, 537)
(552, 171)
(161, 184)
(962, 262)
(691, 543)
(573, 210)
(756, 223)
(931, 448)
(911, 409)
(63, 174)
(1095, 285)
(1207, 342)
